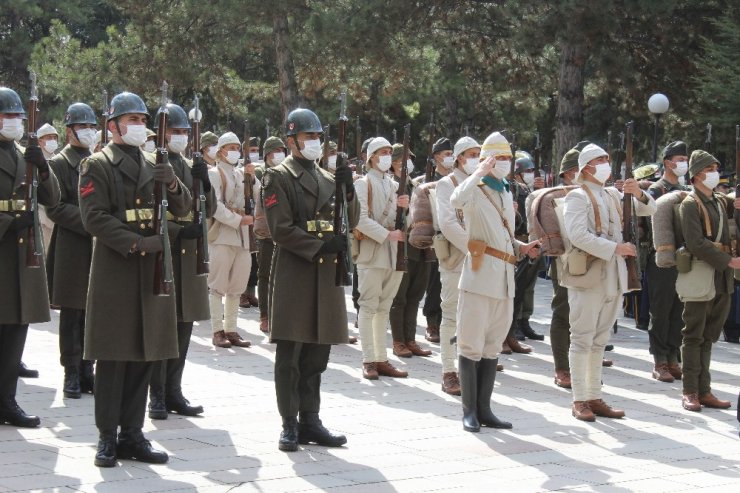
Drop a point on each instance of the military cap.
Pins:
(677, 148)
(332, 145)
(272, 144)
(254, 141)
(150, 133)
(579, 146)
(645, 171)
(699, 160)
(442, 144)
(569, 161)
(45, 130)
(208, 139)
(397, 152)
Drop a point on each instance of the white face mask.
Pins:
(384, 163)
(254, 157)
(682, 181)
(150, 146)
(277, 158)
(502, 168)
(711, 179)
(448, 162)
(602, 172)
(211, 152)
(471, 164)
(332, 164)
(178, 143)
(12, 128)
(232, 157)
(681, 168)
(409, 166)
(50, 146)
(86, 137)
(135, 135)
(312, 149)
(528, 179)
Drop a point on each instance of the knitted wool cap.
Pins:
(495, 145)
(699, 160)
(376, 144)
(228, 138)
(463, 145)
(208, 139)
(46, 129)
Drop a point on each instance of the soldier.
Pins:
(485, 306)
(307, 309)
(151, 141)
(444, 162)
(405, 306)
(452, 226)
(378, 278)
(191, 289)
(596, 299)
(71, 251)
(665, 306)
(48, 140)
(209, 148)
(705, 229)
(274, 151)
(248, 298)
(331, 164)
(127, 326)
(25, 295)
(228, 240)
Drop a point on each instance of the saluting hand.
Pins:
(485, 167)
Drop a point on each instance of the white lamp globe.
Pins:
(192, 116)
(658, 103)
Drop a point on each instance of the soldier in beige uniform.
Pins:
(594, 305)
(486, 303)
(228, 241)
(378, 279)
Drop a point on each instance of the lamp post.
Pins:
(657, 104)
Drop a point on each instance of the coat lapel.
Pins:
(307, 182)
(327, 187)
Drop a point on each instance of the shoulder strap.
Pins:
(597, 214)
(454, 180)
(704, 214)
(223, 184)
(500, 213)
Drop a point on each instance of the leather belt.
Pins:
(506, 257)
(318, 226)
(135, 215)
(17, 205)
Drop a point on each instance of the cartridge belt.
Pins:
(17, 205)
(134, 215)
(318, 226)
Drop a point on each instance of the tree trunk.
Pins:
(569, 118)
(289, 96)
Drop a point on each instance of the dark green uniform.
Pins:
(560, 323)
(703, 321)
(432, 309)
(665, 306)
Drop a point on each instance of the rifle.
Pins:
(430, 158)
(514, 148)
(629, 226)
(708, 141)
(199, 203)
(163, 264)
(737, 160)
(325, 157)
(341, 216)
(33, 242)
(609, 151)
(401, 258)
(618, 167)
(267, 130)
(104, 131)
(358, 147)
(537, 152)
(395, 138)
(248, 189)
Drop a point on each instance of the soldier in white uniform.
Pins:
(378, 279)
(594, 305)
(228, 242)
(486, 304)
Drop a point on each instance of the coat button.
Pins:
(335, 261)
(321, 260)
(143, 253)
(20, 240)
(142, 226)
(138, 201)
(320, 235)
(183, 251)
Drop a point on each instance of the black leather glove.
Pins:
(35, 156)
(25, 220)
(200, 172)
(191, 231)
(343, 176)
(164, 173)
(335, 245)
(149, 244)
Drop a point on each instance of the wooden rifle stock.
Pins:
(104, 131)
(537, 155)
(401, 258)
(248, 188)
(33, 247)
(199, 199)
(341, 219)
(629, 231)
(163, 263)
(359, 165)
(430, 158)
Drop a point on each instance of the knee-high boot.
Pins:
(486, 379)
(468, 371)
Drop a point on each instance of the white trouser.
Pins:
(482, 324)
(447, 328)
(229, 269)
(377, 289)
(592, 316)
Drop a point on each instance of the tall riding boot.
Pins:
(486, 379)
(71, 388)
(468, 371)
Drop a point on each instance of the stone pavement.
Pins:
(403, 435)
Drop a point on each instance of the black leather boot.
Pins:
(157, 408)
(529, 332)
(71, 387)
(486, 379)
(289, 436)
(26, 372)
(11, 413)
(468, 373)
(106, 454)
(133, 445)
(87, 377)
(311, 430)
(177, 403)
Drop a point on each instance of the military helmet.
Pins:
(645, 171)
(176, 117)
(272, 144)
(80, 114)
(302, 120)
(10, 102)
(523, 162)
(126, 103)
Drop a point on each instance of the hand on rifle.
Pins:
(734, 263)
(396, 235)
(532, 249)
(337, 244)
(247, 220)
(737, 203)
(35, 156)
(539, 182)
(249, 168)
(403, 201)
(625, 250)
(164, 173)
(343, 176)
(150, 244)
(632, 186)
(191, 231)
(23, 221)
(200, 172)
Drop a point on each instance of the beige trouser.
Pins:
(482, 324)
(377, 289)
(592, 316)
(229, 269)
(447, 328)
